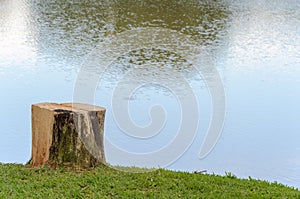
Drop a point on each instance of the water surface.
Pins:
(256, 49)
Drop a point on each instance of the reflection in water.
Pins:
(16, 35)
(265, 34)
(256, 49)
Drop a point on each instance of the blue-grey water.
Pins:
(255, 46)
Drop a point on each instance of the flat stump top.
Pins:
(69, 106)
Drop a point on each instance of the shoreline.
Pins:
(18, 180)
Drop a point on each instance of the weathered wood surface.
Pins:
(67, 134)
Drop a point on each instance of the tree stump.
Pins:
(67, 135)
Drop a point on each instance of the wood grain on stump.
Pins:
(67, 134)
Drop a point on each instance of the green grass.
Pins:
(18, 181)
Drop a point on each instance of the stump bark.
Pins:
(67, 135)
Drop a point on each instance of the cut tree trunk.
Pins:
(67, 135)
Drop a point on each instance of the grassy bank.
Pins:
(17, 181)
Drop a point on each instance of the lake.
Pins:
(248, 88)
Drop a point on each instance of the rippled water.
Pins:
(255, 45)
